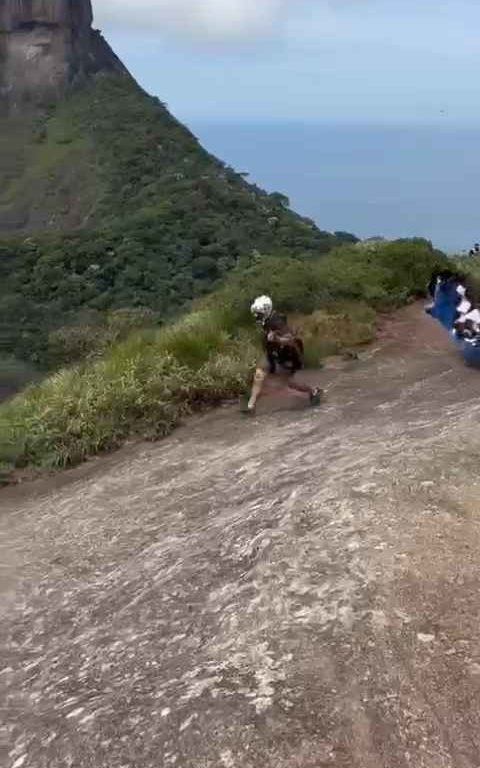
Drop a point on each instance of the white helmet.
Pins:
(262, 308)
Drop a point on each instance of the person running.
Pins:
(283, 353)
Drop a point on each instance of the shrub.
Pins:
(334, 329)
(93, 333)
(142, 386)
(382, 275)
(470, 266)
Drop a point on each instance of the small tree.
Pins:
(280, 200)
(346, 237)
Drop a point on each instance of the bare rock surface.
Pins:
(47, 47)
(296, 591)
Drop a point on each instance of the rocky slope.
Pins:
(300, 591)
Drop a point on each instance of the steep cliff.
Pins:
(46, 47)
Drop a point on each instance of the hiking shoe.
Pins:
(316, 396)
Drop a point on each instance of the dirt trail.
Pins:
(296, 591)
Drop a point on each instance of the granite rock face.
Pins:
(46, 48)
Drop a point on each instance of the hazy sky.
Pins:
(354, 60)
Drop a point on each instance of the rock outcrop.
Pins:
(47, 47)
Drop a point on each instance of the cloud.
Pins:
(202, 20)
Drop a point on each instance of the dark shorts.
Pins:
(287, 362)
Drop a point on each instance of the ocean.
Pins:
(395, 181)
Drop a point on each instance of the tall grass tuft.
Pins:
(143, 386)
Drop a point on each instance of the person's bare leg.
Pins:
(297, 386)
(258, 382)
(314, 393)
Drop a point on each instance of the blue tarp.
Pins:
(444, 310)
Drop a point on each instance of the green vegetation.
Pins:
(15, 375)
(144, 385)
(120, 208)
(470, 266)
